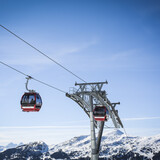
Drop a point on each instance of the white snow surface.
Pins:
(36, 146)
(113, 142)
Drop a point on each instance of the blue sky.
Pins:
(117, 41)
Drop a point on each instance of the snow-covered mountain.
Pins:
(114, 146)
(10, 145)
(30, 151)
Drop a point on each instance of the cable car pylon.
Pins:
(93, 100)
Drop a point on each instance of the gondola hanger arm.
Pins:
(28, 78)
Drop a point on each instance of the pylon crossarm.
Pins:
(84, 105)
(95, 86)
(92, 83)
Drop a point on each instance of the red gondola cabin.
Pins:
(31, 102)
(99, 113)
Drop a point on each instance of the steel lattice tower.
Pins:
(87, 96)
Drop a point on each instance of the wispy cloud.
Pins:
(48, 134)
(123, 55)
(29, 57)
(75, 47)
(8, 82)
(72, 126)
(111, 61)
(140, 118)
(25, 60)
(40, 127)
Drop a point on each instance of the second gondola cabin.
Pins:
(99, 113)
(31, 102)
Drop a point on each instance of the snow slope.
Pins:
(114, 146)
(113, 143)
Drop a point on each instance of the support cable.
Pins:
(33, 78)
(43, 54)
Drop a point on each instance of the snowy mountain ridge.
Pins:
(10, 145)
(114, 146)
(113, 143)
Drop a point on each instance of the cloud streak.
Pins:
(40, 127)
(72, 126)
(140, 118)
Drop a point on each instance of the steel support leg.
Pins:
(100, 135)
(94, 155)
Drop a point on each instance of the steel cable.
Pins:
(32, 77)
(43, 54)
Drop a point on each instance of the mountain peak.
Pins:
(11, 145)
(36, 146)
(115, 145)
(113, 132)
